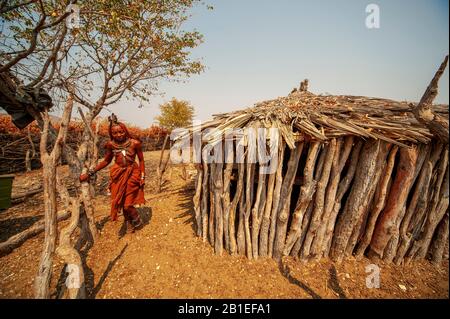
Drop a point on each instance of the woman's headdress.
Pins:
(112, 122)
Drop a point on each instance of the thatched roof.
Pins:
(304, 115)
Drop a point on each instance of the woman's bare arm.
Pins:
(106, 160)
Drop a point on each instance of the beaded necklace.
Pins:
(121, 148)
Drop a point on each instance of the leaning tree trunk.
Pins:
(42, 280)
(75, 282)
(49, 162)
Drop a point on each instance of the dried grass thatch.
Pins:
(303, 115)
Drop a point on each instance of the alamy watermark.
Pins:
(373, 277)
(73, 19)
(247, 145)
(73, 278)
(373, 17)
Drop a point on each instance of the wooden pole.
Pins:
(307, 191)
(276, 197)
(283, 210)
(319, 199)
(355, 202)
(395, 202)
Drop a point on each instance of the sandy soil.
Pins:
(166, 260)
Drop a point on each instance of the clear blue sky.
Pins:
(259, 49)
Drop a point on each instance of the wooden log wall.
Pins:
(346, 197)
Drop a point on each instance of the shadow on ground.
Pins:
(14, 226)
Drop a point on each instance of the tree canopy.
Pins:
(175, 114)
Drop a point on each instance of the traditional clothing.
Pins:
(125, 183)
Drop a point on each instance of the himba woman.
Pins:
(127, 177)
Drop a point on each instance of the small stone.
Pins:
(402, 287)
(347, 275)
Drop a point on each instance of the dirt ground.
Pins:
(166, 260)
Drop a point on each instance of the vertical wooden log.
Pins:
(380, 200)
(162, 164)
(31, 153)
(307, 191)
(344, 184)
(241, 227)
(205, 200)
(395, 202)
(440, 203)
(392, 245)
(359, 228)
(43, 277)
(236, 200)
(196, 200)
(262, 207)
(226, 198)
(267, 217)
(330, 189)
(256, 212)
(355, 202)
(248, 207)
(212, 204)
(440, 240)
(28, 161)
(418, 204)
(342, 153)
(283, 209)
(264, 233)
(303, 230)
(218, 209)
(276, 198)
(319, 199)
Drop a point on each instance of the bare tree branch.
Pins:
(423, 111)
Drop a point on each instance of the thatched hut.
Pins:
(355, 176)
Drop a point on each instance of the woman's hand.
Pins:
(84, 177)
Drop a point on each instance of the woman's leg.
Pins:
(133, 216)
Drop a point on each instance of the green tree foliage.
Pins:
(175, 114)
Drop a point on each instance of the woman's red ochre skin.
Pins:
(127, 177)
